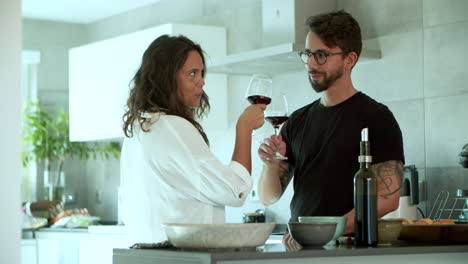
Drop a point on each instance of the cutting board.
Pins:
(457, 233)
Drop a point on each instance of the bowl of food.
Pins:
(339, 220)
(389, 230)
(200, 236)
(312, 233)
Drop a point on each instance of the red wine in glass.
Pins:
(276, 121)
(259, 99)
(259, 91)
(276, 114)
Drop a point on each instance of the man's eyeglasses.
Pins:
(320, 56)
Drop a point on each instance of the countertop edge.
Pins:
(307, 253)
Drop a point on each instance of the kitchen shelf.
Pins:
(271, 60)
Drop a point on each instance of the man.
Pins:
(321, 140)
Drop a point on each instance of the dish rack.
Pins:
(446, 207)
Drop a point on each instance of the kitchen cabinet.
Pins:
(100, 242)
(100, 74)
(58, 247)
(98, 249)
(78, 246)
(28, 251)
(54, 251)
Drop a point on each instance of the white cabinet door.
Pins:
(98, 248)
(100, 74)
(28, 251)
(58, 251)
(48, 251)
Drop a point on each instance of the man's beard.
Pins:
(326, 82)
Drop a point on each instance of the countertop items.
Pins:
(464, 156)
(202, 236)
(312, 233)
(436, 233)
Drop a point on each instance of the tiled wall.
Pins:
(445, 94)
(422, 77)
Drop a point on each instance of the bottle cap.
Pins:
(365, 134)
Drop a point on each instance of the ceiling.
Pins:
(78, 11)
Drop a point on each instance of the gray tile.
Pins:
(446, 130)
(236, 97)
(410, 117)
(445, 55)
(398, 74)
(297, 89)
(445, 179)
(385, 17)
(438, 12)
(245, 29)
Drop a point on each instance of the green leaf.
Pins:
(46, 137)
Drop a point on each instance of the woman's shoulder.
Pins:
(157, 116)
(176, 120)
(177, 123)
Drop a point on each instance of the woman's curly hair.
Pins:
(154, 86)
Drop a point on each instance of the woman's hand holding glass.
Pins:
(259, 91)
(252, 117)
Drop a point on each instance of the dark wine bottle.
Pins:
(365, 198)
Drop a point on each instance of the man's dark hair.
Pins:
(337, 29)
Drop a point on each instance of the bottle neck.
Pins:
(365, 158)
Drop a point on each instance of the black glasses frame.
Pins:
(320, 57)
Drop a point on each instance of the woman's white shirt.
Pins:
(169, 175)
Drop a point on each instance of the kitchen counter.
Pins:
(93, 229)
(276, 253)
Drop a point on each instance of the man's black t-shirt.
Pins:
(323, 149)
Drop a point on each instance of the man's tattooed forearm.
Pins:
(389, 176)
(285, 175)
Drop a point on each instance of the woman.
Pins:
(168, 173)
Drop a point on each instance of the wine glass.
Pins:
(259, 91)
(276, 114)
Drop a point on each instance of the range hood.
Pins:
(273, 60)
(283, 37)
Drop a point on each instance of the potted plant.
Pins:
(46, 138)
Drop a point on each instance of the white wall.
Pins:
(10, 141)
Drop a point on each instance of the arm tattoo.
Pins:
(285, 175)
(389, 177)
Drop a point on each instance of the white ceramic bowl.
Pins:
(218, 235)
(339, 220)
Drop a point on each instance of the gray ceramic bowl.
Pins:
(389, 230)
(312, 234)
(339, 220)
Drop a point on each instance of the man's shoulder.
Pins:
(303, 110)
(371, 105)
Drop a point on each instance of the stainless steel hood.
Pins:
(272, 60)
(283, 37)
